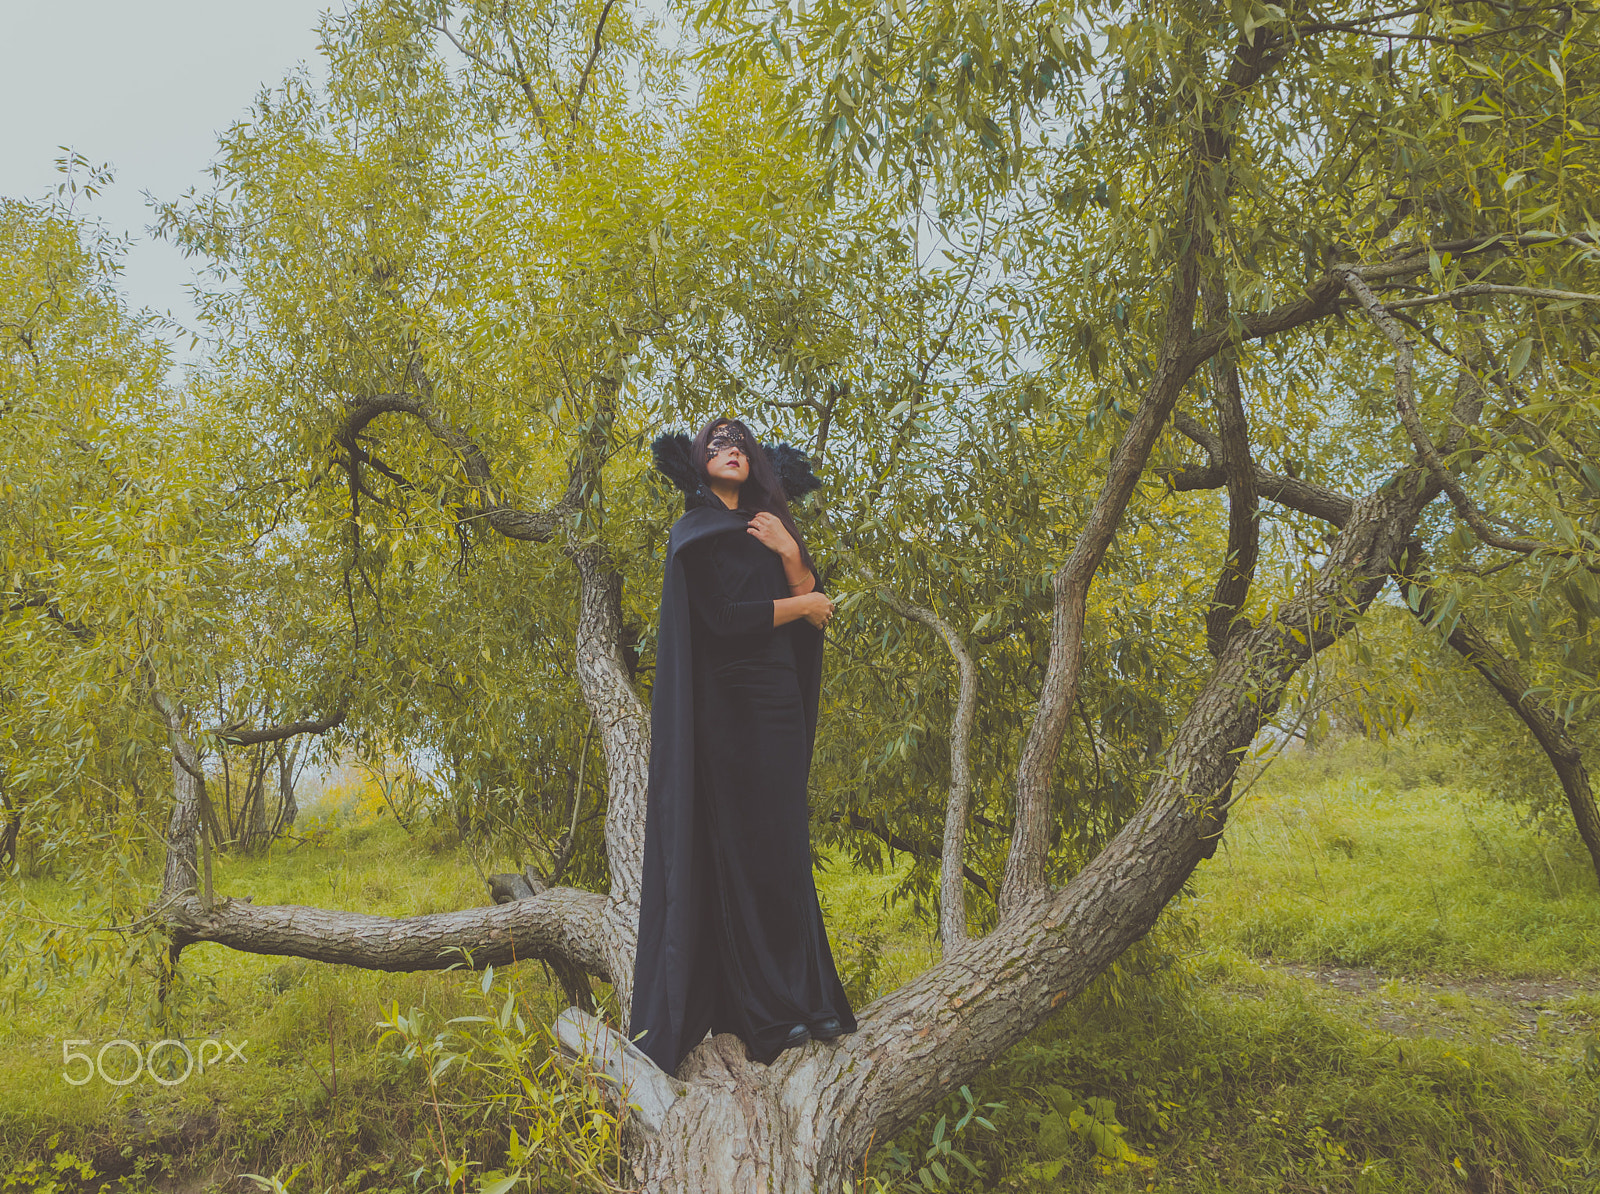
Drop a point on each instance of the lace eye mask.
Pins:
(727, 437)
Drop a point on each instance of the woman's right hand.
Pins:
(818, 609)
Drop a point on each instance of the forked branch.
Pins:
(1406, 402)
(1292, 493)
(539, 526)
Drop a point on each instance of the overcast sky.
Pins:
(145, 85)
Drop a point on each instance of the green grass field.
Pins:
(1379, 983)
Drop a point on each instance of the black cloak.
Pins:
(730, 932)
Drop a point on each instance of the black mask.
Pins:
(725, 437)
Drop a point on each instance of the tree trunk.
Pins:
(288, 810)
(182, 873)
(805, 1121)
(256, 834)
(10, 829)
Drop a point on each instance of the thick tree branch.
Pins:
(1326, 294)
(181, 874)
(1233, 455)
(952, 859)
(562, 922)
(1025, 866)
(235, 736)
(1176, 360)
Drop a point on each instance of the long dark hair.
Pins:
(761, 490)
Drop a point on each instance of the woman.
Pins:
(730, 933)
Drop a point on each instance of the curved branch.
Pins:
(1506, 678)
(1233, 455)
(1325, 295)
(975, 1004)
(238, 737)
(533, 526)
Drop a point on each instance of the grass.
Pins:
(299, 1025)
(1221, 1088)
(1342, 860)
(1203, 1065)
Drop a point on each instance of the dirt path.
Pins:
(1551, 1019)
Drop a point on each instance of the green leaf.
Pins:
(1520, 355)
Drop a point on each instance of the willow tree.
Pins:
(1332, 262)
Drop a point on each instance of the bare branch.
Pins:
(952, 859)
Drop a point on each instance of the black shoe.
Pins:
(798, 1035)
(827, 1029)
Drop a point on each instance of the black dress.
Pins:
(757, 962)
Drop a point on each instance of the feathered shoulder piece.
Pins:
(674, 462)
(794, 470)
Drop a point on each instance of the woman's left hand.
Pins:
(774, 535)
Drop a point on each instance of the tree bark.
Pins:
(623, 723)
(181, 875)
(1233, 455)
(561, 922)
(256, 834)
